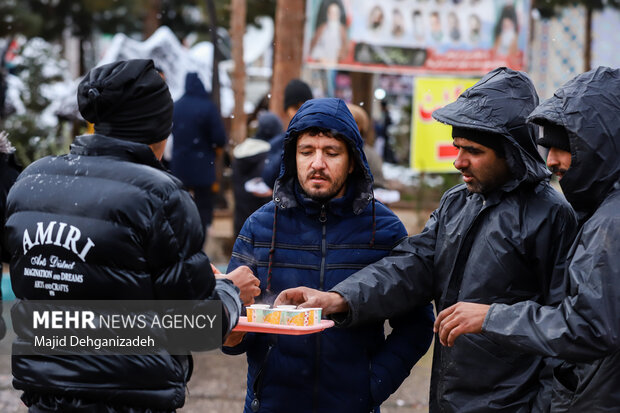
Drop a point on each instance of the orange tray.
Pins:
(244, 325)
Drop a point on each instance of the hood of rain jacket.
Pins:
(499, 103)
(502, 246)
(587, 107)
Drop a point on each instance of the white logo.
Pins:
(52, 235)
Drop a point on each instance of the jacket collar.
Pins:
(100, 145)
(337, 206)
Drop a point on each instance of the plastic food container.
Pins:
(256, 312)
(299, 317)
(287, 315)
(316, 315)
(273, 316)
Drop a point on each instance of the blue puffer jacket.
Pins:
(197, 129)
(339, 370)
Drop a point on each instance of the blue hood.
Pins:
(194, 86)
(332, 114)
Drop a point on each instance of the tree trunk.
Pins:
(152, 18)
(288, 50)
(215, 74)
(238, 130)
(361, 83)
(587, 47)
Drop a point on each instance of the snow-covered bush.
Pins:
(40, 74)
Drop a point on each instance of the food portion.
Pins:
(284, 315)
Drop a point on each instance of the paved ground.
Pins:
(218, 383)
(218, 386)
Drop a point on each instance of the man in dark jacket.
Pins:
(197, 131)
(322, 225)
(581, 129)
(124, 229)
(500, 237)
(247, 167)
(296, 93)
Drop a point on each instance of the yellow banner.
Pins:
(431, 141)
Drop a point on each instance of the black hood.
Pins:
(588, 107)
(500, 103)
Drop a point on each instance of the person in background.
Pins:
(581, 130)
(296, 93)
(502, 236)
(198, 131)
(383, 145)
(322, 225)
(374, 159)
(129, 231)
(249, 160)
(381, 193)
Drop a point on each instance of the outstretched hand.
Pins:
(461, 318)
(305, 297)
(244, 279)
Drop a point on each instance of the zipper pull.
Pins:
(323, 216)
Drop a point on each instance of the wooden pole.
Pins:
(152, 18)
(587, 47)
(215, 74)
(288, 50)
(238, 130)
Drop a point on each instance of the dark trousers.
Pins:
(203, 198)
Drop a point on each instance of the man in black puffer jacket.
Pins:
(129, 229)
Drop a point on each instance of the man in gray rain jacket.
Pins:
(501, 237)
(582, 131)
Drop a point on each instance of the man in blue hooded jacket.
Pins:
(322, 225)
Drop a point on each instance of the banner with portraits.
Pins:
(417, 36)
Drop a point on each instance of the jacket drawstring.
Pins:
(374, 223)
(272, 248)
